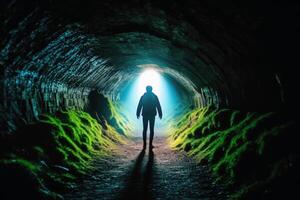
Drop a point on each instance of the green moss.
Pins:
(119, 121)
(58, 148)
(243, 149)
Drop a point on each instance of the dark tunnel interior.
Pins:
(225, 73)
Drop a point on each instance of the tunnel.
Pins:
(73, 72)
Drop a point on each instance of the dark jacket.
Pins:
(149, 102)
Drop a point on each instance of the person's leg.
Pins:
(145, 127)
(152, 121)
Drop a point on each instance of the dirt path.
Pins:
(135, 174)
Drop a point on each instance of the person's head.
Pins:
(149, 88)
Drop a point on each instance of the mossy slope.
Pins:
(108, 112)
(50, 154)
(254, 154)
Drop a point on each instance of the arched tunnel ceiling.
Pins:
(218, 47)
(73, 51)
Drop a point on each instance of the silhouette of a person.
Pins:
(149, 103)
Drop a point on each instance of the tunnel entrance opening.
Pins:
(174, 97)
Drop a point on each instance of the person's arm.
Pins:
(139, 108)
(158, 108)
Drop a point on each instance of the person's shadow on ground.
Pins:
(139, 183)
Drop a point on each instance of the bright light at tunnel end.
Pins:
(150, 76)
(153, 75)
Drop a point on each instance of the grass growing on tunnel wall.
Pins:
(118, 120)
(108, 112)
(253, 153)
(55, 150)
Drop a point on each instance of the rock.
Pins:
(59, 167)
(43, 163)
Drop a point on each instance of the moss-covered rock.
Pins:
(107, 112)
(49, 154)
(254, 154)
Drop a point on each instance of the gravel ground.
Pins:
(135, 174)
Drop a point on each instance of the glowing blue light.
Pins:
(165, 91)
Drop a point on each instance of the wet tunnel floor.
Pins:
(135, 174)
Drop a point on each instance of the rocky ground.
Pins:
(135, 174)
